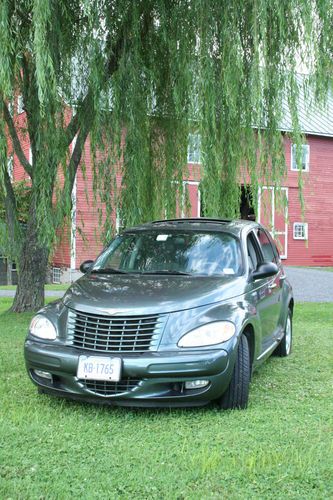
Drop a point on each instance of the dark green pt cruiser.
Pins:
(172, 313)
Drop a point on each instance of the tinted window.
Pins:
(191, 252)
(252, 253)
(275, 249)
(266, 246)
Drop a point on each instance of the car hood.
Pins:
(135, 294)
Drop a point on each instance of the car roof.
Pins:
(234, 226)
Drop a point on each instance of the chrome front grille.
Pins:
(106, 388)
(104, 333)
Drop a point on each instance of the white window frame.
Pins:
(73, 225)
(194, 156)
(11, 108)
(10, 166)
(20, 104)
(304, 225)
(30, 156)
(73, 216)
(294, 167)
(119, 221)
(56, 271)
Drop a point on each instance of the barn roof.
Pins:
(314, 119)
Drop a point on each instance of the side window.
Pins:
(266, 246)
(252, 253)
(275, 248)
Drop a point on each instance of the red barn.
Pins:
(303, 240)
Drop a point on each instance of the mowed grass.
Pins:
(280, 447)
(49, 287)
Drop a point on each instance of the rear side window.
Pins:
(252, 255)
(275, 249)
(266, 247)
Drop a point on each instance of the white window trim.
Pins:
(10, 166)
(274, 233)
(119, 221)
(73, 226)
(73, 218)
(20, 105)
(30, 156)
(188, 150)
(56, 271)
(306, 231)
(307, 165)
(191, 183)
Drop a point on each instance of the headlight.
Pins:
(209, 334)
(42, 327)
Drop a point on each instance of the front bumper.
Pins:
(148, 379)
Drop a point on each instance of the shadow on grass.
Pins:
(259, 377)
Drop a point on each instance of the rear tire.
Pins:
(284, 347)
(237, 394)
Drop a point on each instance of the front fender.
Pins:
(241, 312)
(287, 297)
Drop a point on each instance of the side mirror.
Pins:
(265, 270)
(86, 265)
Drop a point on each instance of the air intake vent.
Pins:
(105, 389)
(103, 333)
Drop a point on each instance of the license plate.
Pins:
(99, 368)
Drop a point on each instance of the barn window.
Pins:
(56, 274)
(20, 105)
(304, 151)
(11, 108)
(194, 148)
(10, 167)
(119, 222)
(300, 231)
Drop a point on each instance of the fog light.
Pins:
(43, 374)
(196, 384)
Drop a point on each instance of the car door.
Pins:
(271, 292)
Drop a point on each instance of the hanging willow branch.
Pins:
(143, 75)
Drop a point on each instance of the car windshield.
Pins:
(173, 252)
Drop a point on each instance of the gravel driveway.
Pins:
(311, 285)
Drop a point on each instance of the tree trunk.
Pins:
(9, 271)
(32, 269)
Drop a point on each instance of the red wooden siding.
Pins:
(318, 196)
(89, 233)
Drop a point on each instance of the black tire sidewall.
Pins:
(236, 395)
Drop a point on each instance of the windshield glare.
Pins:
(174, 252)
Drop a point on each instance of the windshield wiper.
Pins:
(166, 271)
(108, 270)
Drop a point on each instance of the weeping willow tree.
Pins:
(136, 77)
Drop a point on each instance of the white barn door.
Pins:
(193, 196)
(273, 214)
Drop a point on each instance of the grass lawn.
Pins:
(280, 447)
(47, 287)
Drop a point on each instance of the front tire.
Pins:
(237, 394)
(284, 348)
